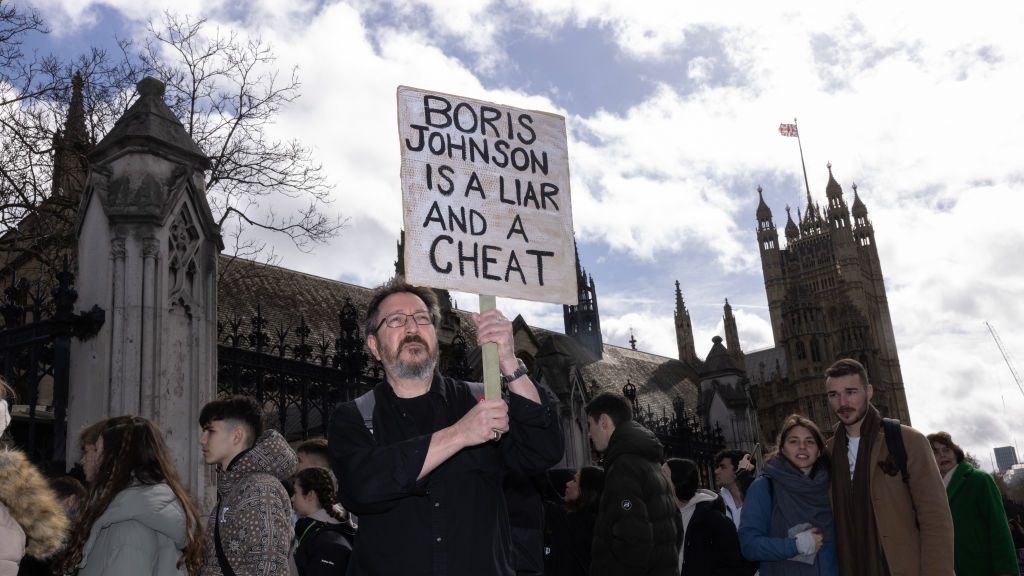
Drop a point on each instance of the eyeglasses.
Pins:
(400, 319)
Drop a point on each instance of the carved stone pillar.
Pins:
(148, 247)
(150, 255)
(117, 392)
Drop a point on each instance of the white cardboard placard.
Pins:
(485, 194)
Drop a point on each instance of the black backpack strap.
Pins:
(365, 404)
(894, 441)
(222, 560)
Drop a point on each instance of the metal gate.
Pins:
(35, 344)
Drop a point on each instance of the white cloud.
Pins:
(922, 112)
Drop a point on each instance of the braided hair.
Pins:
(134, 451)
(318, 481)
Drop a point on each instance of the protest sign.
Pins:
(485, 192)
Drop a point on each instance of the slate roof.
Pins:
(761, 365)
(284, 296)
(658, 379)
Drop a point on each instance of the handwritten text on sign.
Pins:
(485, 190)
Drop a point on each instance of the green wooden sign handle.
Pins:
(492, 377)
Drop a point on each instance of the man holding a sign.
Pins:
(420, 459)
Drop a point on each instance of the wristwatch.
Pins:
(506, 379)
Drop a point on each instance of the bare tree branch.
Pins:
(227, 90)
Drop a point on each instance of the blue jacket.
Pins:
(758, 545)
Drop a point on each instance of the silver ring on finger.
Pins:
(495, 434)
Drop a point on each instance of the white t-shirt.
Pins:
(731, 509)
(852, 445)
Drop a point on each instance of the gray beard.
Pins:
(413, 370)
(395, 367)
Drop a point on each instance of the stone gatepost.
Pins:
(147, 252)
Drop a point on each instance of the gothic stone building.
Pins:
(295, 340)
(826, 299)
(144, 248)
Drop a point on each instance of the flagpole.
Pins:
(802, 165)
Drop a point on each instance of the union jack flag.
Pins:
(788, 130)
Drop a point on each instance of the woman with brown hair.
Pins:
(138, 518)
(787, 522)
(323, 534)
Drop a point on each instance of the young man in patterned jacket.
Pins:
(249, 530)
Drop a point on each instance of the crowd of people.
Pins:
(424, 475)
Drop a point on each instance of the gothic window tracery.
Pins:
(815, 350)
(182, 247)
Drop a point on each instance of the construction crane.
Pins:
(1006, 356)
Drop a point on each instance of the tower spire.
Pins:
(583, 321)
(684, 330)
(71, 146)
(732, 336)
(400, 259)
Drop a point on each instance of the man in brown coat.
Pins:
(885, 525)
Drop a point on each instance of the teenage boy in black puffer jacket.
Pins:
(637, 522)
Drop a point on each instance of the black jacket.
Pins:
(323, 549)
(636, 528)
(569, 537)
(712, 547)
(454, 521)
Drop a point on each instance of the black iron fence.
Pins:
(681, 432)
(35, 347)
(298, 377)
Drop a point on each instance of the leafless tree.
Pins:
(228, 91)
(225, 88)
(36, 216)
(24, 84)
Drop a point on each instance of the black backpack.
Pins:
(894, 441)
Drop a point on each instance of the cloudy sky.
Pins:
(672, 111)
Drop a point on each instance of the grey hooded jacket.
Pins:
(142, 531)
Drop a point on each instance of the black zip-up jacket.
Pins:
(454, 521)
(637, 522)
(323, 548)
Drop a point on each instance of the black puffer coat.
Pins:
(636, 528)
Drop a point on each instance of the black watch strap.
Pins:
(506, 379)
